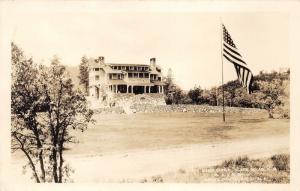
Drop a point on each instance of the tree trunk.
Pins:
(42, 166)
(270, 114)
(32, 166)
(61, 161)
(54, 171)
(87, 89)
(29, 159)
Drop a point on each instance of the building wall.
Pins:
(102, 89)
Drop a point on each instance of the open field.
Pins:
(114, 132)
(129, 148)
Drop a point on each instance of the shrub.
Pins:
(281, 162)
(240, 162)
(157, 179)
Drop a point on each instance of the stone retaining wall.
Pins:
(192, 108)
(130, 99)
(148, 108)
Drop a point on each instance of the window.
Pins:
(146, 75)
(97, 77)
(96, 69)
(136, 75)
(159, 78)
(129, 75)
(141, 75)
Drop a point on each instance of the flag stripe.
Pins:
(243, 75)
(246, 77)
(240, 69)
(237, 61)
(234, 56)
(231, 53)
(234, 61)
(231, 49)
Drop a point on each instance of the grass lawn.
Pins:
(275, 169)
(120, 132)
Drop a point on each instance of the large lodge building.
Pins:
(107, 79)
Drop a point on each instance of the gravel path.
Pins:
(136, 165)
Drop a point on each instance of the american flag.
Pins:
(231, 53)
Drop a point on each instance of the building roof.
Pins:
(124, 64)
(136, 71)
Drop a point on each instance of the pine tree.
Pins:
(84, 74)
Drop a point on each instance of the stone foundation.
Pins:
(147, 108)
(126, 101)
(193, 109)
(155, 103)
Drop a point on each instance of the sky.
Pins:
(187, 42)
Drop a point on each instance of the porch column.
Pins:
(158, 89)
(145, 89)
(127, 87)
(132, 89)
(162, 89)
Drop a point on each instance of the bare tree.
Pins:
(45, 107)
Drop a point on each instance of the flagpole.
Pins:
(222, 71)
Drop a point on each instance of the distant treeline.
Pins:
(270, 92)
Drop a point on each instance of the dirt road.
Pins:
(136, 165)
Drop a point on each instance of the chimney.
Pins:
(101, 59)
(152, 62)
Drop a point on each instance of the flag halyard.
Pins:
(231, 54)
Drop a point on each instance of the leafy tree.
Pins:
(242, 98)
(195, 94)
(229, 89)
(270, 95)
(84, 73)
(173, 93)
(213, 96)
(186, 99)
(204, 98)
(45, 107)
(26, 99)
(169, 82)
